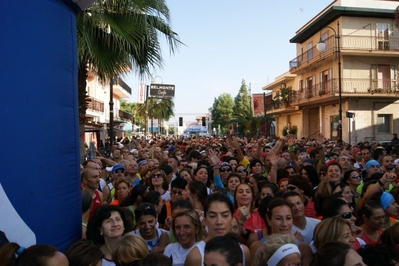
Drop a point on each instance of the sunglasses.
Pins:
(120, 171)
(241, 171)
(346, 215)
(355, 177)
(225, 170)
(292, 188)
(177, 192)
(157, 176)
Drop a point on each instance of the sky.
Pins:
(225, 42)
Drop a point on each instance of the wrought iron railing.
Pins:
(95, 104)
(358, 43)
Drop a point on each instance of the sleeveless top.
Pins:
(96, 203)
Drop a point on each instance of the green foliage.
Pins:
(293, 130)
(222, 111)
(242, 101)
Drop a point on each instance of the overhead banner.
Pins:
(162, 90)
(141, 93)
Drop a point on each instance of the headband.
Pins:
(386, 199)
(282, 252)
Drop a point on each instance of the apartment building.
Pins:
(357, 70)
(98, 111)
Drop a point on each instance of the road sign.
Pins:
(162, 90)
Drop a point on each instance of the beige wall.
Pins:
(366, 112)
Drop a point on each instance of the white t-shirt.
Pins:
(177, 253)
(166, 196)
(307, 232)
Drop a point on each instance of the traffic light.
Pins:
(180, 121)
(203, 121)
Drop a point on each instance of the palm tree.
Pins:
(248, 123)
(118, 36)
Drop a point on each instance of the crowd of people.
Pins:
(233, 201)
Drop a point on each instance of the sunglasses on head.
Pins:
(157, 176)
(291, 188)
(346, 215)
(120, 171)
(225, 170)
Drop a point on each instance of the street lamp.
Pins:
(321, 46)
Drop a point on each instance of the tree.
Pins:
(242, 101)
(222, 111)
(134, 110)
(118, 36)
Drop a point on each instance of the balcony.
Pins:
(124, 115)
(121, 89)
(367, 45)
(95, 105)
(350, 88)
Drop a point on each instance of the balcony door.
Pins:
(383, 77)
(382, 33)
(326, 81)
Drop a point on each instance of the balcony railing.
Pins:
(358, 43)
(348, 86)
(120, 82)
(95, 105)
(125, 115)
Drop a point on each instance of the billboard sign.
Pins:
(162, 90)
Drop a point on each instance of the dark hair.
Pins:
(194, 154)
(198, 168)
(368, 209)
(331, 254)
(272, 186)
(331, 207)
(152, 197)
(83, 253)
(87, 201)
(263, 207)
(144, 209)
(348, 174)
(102, 213)
(379, 254)
(178, 182)
(32, 256)
(390, 236)
(288, 194)
(228, 246)
(254, 162)
(313, 176)
(302, 183)
(155, 259)
(218, 197)
(181, 204)
(277, 202)
(138, 190)
(198, 188)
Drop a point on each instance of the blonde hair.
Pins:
(274, 242)
(193, 216)
(129, 248)
(328, 230)
(324, 188)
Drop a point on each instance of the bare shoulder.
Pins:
(193, 258)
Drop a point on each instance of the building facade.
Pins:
(360, 63)
(98, 110)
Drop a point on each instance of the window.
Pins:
(382, 33)
(324, 37)
(384, 123)
(383, 77)
(309, 47)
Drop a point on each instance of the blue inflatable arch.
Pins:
(39, 183)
